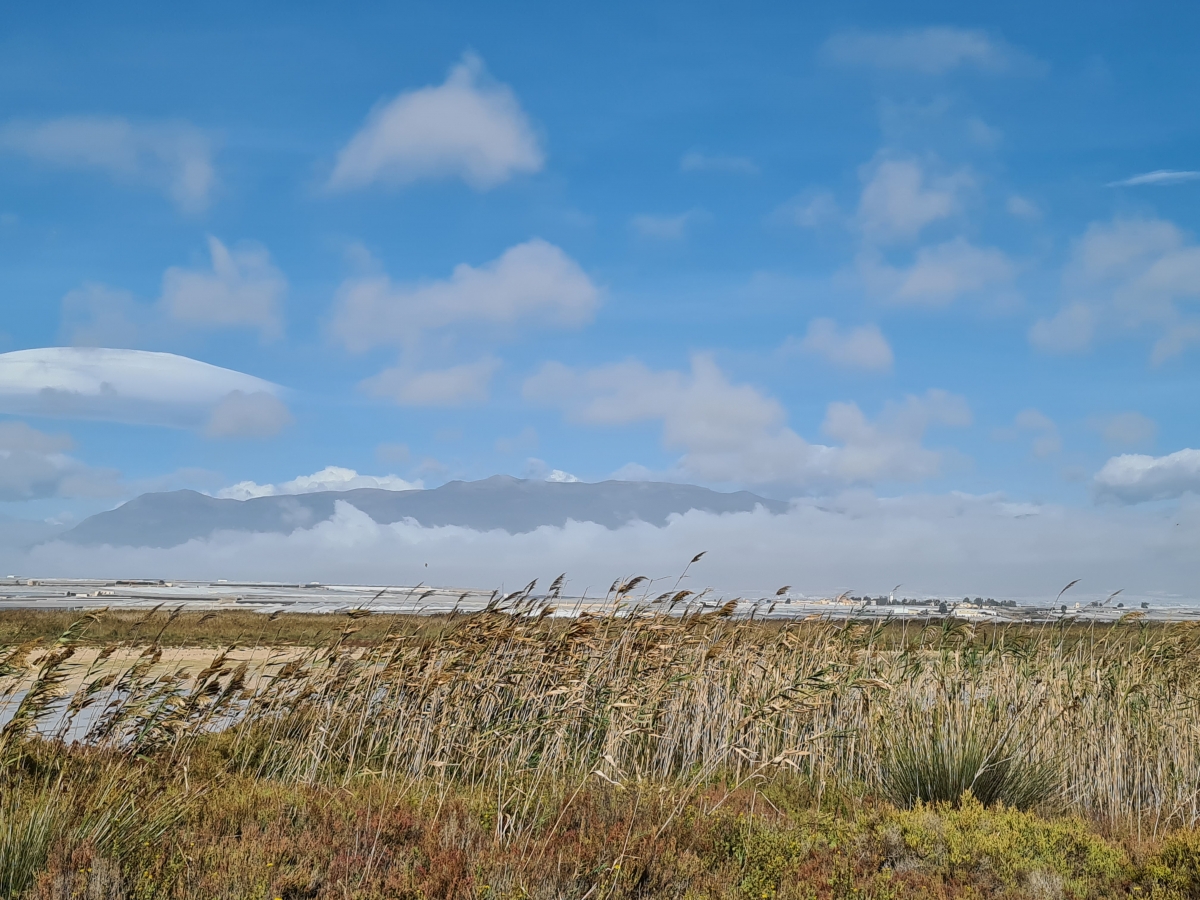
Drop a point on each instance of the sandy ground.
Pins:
(174, 660)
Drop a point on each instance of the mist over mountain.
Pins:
(501, 503)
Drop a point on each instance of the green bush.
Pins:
(1174, 871)
(1003, 846)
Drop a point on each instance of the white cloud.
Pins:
(453, 386)
(667, 228)
(695, 161)
(1127, 275)
(531, 281)
(734, 434)
(134, 386)
(1068, 331)
(946, 546)
(468, 127)
(258, 414)
(1022, 208)
(809, 210)
(863, 347)
(1157, 177)
(1126, 429)
(331, 478)
(1047, 440)
(939, 275)
(1136, 478)
(243, 289)
(982, 133)
(537, 470)
(926, 51)
(173, 157)
(899, 199)
(34, 465)
(1176, 339)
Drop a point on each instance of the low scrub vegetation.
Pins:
(513, 754)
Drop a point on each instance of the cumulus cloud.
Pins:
(243, 288)
(34, 465)
(469, 127)
(534, 281)
(258, 414)
(939, 275)
(1125, 429)
(947, 545)
(695, 161)
(454, 386)
(175, 158)
(1136, 478)
(731, 433)
(331, 478)
(899, 199)
(863, 347)
(925, 51)
(1127, 276)
(538, 469)
(1157, 177)
(667, 228)
(133, 386)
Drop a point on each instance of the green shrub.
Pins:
(1174, 871)
(1003, 846)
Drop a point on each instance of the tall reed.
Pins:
(1102, 720)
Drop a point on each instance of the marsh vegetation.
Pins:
(510, 753)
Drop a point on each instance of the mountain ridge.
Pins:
(170, 518)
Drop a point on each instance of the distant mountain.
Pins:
(501, 502)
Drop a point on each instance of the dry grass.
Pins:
(615, 742)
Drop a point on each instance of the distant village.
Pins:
(946, 606)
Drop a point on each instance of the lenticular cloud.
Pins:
(132, 386)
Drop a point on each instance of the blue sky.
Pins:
(805, 251)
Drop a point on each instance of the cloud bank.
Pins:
(950, 545)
